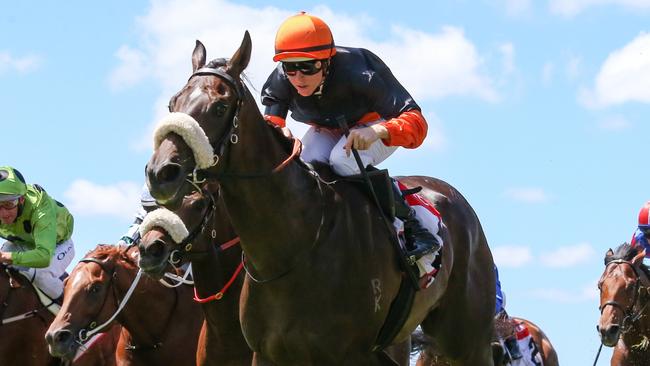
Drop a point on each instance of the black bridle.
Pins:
(186, 247)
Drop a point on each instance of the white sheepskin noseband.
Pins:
(167, 220)
(191, 132)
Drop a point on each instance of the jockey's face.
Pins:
(305, 84)
(8, 213)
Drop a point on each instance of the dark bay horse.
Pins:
(160, 326)
(217, 273)
(24, 321)
(542, 345)
(624, 313)
(216, 270)
(322, 270)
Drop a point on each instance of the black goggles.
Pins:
(646, 232)
(305, 67)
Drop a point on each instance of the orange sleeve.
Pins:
(408, 129)
(275, 120)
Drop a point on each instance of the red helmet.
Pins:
(644, 216)
(304, 36)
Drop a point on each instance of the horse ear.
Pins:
(239, 61)
(608, 255)
(198, 56)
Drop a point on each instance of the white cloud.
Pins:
(573, 67)
(21, 64)
(508, 52)
(517, 7)
(568, 256)
(87, 198)
(570, 8)
(527, 194)
(588, 293)
(548, 72)
(131, 70)
(613, 123)
(624, 77)
(430, 65)
(511, 256)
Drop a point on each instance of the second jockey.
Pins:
(641, 235)
(319, 83)
(38, 231)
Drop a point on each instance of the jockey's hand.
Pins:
(362, 138)
(5, 258)
(287, 132)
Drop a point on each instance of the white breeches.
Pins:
(324, 145)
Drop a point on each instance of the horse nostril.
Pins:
(62, 336)
(154, 250)
(168, 173)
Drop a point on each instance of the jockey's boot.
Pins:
(419, 241)
(513, 347)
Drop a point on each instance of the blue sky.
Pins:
(536, 111)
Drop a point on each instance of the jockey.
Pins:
(510, 342)
(319, 83)
(148, 204)
(38, 231)
(641, 235)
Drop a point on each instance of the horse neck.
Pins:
(276, 205)
(15, 301)
(145, 320)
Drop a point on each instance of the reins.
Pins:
(23, 316)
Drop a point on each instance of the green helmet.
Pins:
(12, 184)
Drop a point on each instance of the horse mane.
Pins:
(109, 250)
(627, 252)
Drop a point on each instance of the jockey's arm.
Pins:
(44, 234)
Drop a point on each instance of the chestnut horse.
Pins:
(216, 270)
(23, 322)
(322, 269)
(99, 285)
(624, 314)
(541, 345)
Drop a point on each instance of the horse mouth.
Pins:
(65, 352)
(153, 269)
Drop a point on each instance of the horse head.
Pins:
(90, 298)
(205, 113)
(165, 238)
(621, 286)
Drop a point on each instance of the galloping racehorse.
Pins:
(216, 269)
(160, 326)
(624, 314)
(542, 345)
(23, 322)
(322, 272)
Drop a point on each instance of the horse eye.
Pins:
(94, 288)
(219, 109)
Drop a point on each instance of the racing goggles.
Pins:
(10, 204)
(310, 67)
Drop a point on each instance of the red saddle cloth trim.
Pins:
(415, 199)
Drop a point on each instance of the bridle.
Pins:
(231, 137)
(5, 303)
(629, 315)
(92, 328)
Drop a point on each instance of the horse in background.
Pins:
(322, 270)
(541, 345)
(213, 249)
(624, 313)
(100, 286)
(23, 322)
